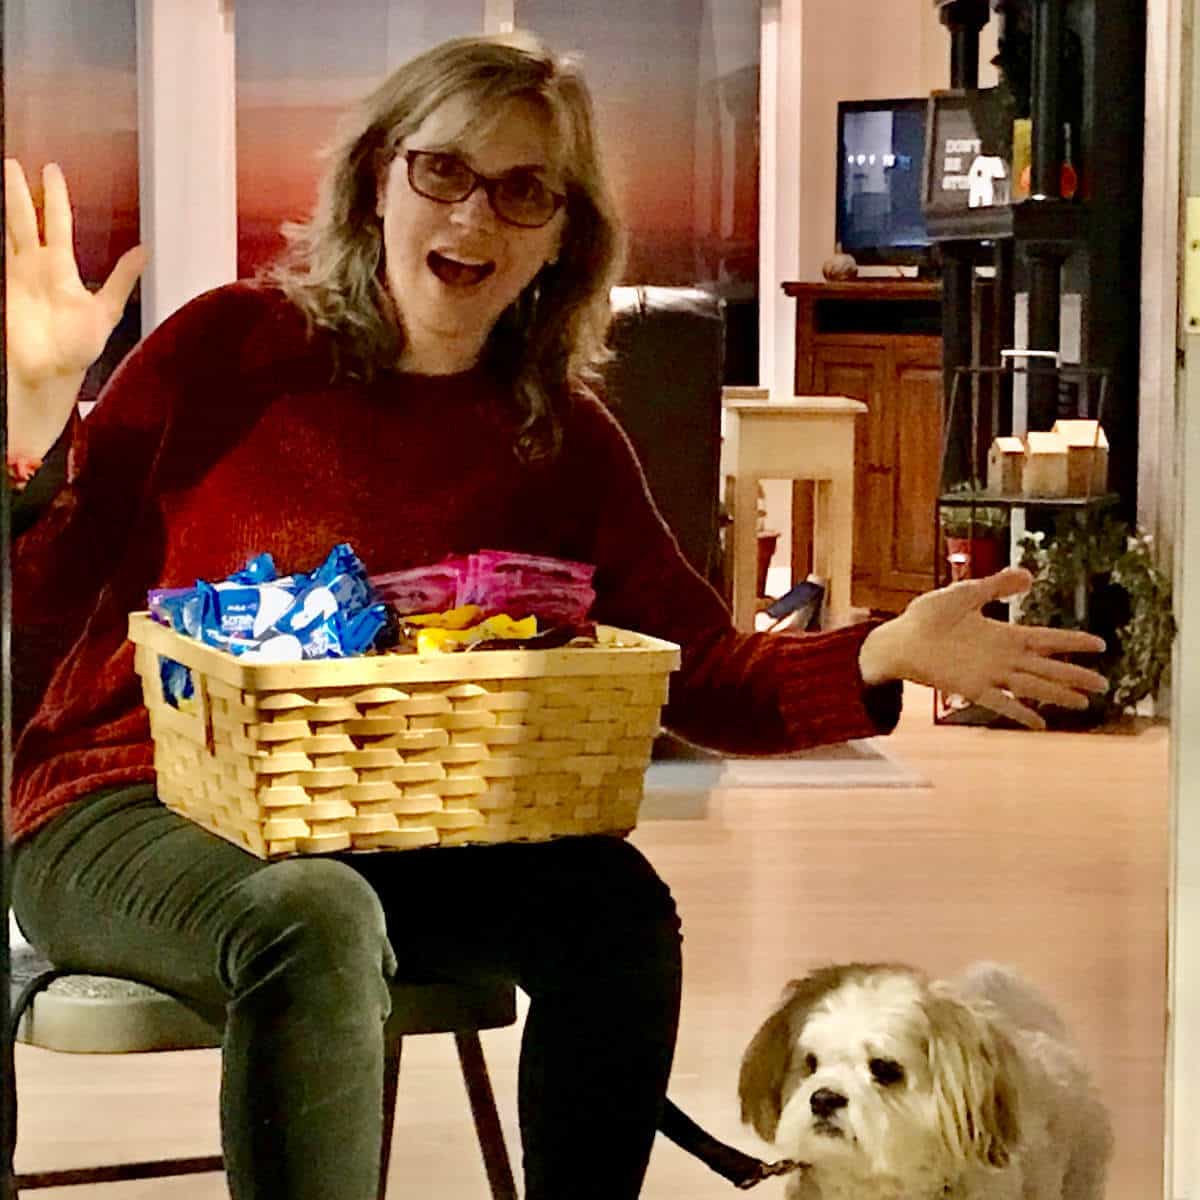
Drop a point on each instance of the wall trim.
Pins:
(187, 150)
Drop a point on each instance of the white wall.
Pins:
(862, 51)
(815, 53)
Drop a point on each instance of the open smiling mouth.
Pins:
(456, 273)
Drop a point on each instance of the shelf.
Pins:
(1043, 220)
(988, 499)
(866, 288)
(948, 713)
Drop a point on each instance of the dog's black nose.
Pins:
(825, 1102)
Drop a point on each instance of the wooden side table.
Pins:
(809, 438)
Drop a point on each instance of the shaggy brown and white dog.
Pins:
(889, 1086)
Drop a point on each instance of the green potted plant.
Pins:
(1099, 574)
(975, 532)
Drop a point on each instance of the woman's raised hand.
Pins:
(56, 327)
(942, 639)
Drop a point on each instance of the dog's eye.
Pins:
(886, 1071)
(810, 1063)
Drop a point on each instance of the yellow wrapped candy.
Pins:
(452, 618)
(433, 640)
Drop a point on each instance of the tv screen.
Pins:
(881, 146)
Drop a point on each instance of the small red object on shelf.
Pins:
(1068, 177)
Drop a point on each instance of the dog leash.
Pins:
(742, 1170)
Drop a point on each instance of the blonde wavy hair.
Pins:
(553, 336)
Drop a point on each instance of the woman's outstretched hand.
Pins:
(943, 640)
(56, 327)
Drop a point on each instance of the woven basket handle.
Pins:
(193, 722)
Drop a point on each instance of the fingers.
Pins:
(22, 236)
(20, 219)
(1043, 640)
(1012, 581)
(1071, 675)
(1046, 691)
(114, 295)
(60, 232)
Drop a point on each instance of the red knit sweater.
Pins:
(222, 435)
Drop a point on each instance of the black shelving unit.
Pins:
(1064, 62)
(1038, 223)
(1082, 393)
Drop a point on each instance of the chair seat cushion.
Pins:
(451, 1007)
(101, 1014)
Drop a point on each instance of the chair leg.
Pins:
(391, 1082)
(24, 998)
(487, 1120)
(9, 1130)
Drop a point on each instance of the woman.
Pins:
(411, 379)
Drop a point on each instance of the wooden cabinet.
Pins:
(879, 342)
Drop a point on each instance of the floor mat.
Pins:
(680, 776)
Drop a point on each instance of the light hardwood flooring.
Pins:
(1047, 851)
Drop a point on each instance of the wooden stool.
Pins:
(809, 438)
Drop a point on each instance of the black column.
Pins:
(1045, 304)
(964, 56)
(964, 19)
(1045, 154)
(1004, 260)
(1045, 261)
(958, 273)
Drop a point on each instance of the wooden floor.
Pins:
(1047, 851)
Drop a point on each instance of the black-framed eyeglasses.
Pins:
(519, 197)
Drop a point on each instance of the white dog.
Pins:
(888, 1086)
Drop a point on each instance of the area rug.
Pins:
(681, 776)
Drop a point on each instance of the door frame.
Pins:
(1169, 505)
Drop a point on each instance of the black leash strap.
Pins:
(742, 1170)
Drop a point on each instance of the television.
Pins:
(881, 152)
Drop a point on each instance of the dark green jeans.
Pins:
(296, 954)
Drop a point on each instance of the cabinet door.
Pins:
(910, 429)
(860, 371)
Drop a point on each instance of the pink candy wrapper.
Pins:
(556, 591)
(421, 589)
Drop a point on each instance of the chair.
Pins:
(664, 387)
(63, 1011)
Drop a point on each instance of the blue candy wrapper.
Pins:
(177, 683)
(332, 612)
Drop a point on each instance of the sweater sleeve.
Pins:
(72, 549)
(738, 693)
(32, 500)
(93, 545)
(173, 402)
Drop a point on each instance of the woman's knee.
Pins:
(309, 915)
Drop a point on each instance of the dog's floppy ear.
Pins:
(767, 1059)
(976, 1081)
(764, 1067)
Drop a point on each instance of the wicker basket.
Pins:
(395, 751)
